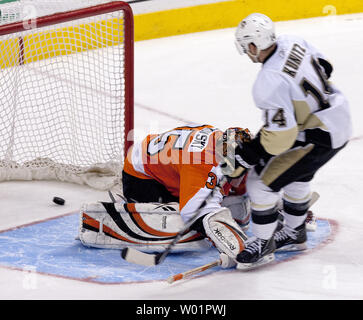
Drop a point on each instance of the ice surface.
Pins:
(51, 247)
(200, 78)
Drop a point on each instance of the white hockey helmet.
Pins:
(257, 29)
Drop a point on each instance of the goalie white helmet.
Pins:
(256, 28)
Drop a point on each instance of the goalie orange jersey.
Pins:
(184, 161)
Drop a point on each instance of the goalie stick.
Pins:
(113, 198)
(186, 274)
(148, 259)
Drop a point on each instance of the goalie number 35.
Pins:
(158, 143)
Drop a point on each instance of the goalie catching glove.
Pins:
(225, 234)
(233, 141)
(240, 152)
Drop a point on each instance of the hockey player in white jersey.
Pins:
(307, 121)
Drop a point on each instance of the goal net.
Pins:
(66, 90)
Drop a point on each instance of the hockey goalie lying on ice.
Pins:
(166, 180)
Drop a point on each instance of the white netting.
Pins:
(62, 102)
(28, 9)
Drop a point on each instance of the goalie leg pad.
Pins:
(240, 208)
(224, 232)
(145, 226)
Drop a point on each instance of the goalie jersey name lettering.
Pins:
(200, 140)
(294, 60)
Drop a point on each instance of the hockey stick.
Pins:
(186, 274)
(314, 197)
(149, 259)
(191, 272)
(111, 196)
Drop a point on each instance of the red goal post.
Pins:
(67, 92)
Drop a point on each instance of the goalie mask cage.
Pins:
(67, 96)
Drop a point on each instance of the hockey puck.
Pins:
(59, 200)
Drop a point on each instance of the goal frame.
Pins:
(90, 11)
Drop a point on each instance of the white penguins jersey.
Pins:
(297, 99)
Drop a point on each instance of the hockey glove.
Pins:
(226, 261)
(238, 156)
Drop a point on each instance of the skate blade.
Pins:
(293, 247)
(248, 266)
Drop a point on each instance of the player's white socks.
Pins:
(263, 231)
(294, 221)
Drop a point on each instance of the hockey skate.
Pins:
(288, 239)
(257, 252)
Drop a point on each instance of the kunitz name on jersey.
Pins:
(298, 100)
(294, 60)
